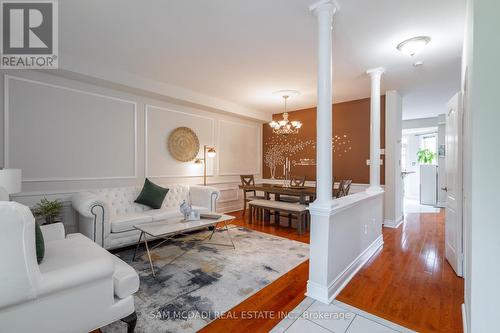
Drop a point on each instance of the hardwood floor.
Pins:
(280, 297)
(408, 282)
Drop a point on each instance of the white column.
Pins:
(375, 75)
(393, 196)
(324, 11)
(321, 209)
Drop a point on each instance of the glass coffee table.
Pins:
(167, 229)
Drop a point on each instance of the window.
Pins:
(429, 141)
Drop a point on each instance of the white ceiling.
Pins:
(242, 51)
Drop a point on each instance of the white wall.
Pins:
(467, 166)
(343, 239)
(393, 198)
(421, 122)
(481, 160)
(68, 135)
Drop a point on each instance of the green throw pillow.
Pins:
(39, 243)
(151, 195)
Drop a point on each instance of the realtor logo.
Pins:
(29, 36)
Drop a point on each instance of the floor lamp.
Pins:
(207, 152)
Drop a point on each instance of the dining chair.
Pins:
(298, 181)
(344, 187)
(248, 180)
(295, 181)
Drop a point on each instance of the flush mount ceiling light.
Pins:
(413, 45)
(285, 126)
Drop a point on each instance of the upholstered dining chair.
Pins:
(344, 188)
(249, 180)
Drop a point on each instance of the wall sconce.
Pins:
(207, 152)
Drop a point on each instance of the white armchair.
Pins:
(78, 287)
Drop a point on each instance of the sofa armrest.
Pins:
(52, 232)
(84, 202)
(204, 196)
(74, 276)
(95, 216)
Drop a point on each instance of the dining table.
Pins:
(304, 193)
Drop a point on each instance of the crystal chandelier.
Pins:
(285, 126)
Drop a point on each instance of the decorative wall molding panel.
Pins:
(238, 150)
(50, 130)
(54, 120)
(159, 123)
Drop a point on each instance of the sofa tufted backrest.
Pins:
(176, 195)
(120, 200)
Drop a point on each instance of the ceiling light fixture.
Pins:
(413, 45)
(285, 126)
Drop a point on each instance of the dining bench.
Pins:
(276, 207)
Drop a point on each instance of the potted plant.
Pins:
(425, 156)
(48, 210)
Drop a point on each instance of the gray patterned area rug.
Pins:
(196, 282)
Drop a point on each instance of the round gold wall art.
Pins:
(183, 144)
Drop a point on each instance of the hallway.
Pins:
(410, 282)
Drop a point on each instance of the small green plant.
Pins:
(425, 156)
(48, 210)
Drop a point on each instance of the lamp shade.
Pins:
(211, 152)
(10, 180)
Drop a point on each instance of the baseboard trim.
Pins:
(230, 208)
(327, 294)
(393, 223)
(464, 318)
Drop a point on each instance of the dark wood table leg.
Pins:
(302, 199)
(267, 215)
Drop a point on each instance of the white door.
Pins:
(453, 223)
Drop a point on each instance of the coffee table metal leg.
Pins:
(149, 254)
(137, 247)
(224, 228)
(229, 235)
(213, 232)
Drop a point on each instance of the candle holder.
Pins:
(286, 173)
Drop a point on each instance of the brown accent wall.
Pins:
(351, 131)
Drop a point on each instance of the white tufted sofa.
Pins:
(108, 216)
